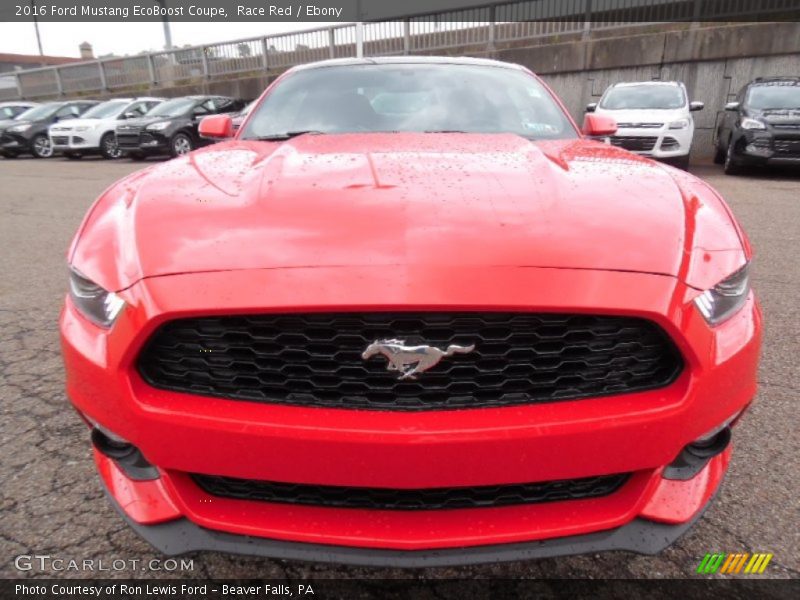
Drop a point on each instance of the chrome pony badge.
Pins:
(409, 361)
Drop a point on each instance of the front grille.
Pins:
(789, 126)
(420, 499)
(636, 143)
(60, 140)
(669, 143)
(315, 359)
(640, 125)
(787, 148)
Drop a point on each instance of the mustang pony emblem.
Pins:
(409, 361)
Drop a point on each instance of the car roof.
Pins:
(408, 60)
(768, 80)
(19, 103)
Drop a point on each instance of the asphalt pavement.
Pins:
(51, 501)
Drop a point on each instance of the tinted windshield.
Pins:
(40, 112)
(774, 96)
(643, 96)
(105, 110)
(173, 108)
(406, 97)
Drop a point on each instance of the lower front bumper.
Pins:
(182, 536)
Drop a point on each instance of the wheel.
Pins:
(108, 146)
(73, 155)
(731, 168)
(719, 153)
(181, 144)
(40, 146)
(136, 156)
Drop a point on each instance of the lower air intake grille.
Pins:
(637, 143)
(422, 499)
(316, 359)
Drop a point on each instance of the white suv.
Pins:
(653, 119)
(93, 133)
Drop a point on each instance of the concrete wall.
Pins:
(713, 62)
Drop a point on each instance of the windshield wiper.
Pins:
(276, 137)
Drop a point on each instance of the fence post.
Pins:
(151, 67)
(492, 31)
(587, 20)
(264, 53)
(406, 36)
(205, 62)
(59, 83)
(359, 39)
(18, 81)
(102, 70)
(331, 42)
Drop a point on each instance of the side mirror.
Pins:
(693, 106)
(599, 125)
(591, 106)
(732, 106)
(216, 127)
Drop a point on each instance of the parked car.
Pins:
(171, 127)
(29, 135)
(239, 118)
(93, 133)
(762, 126)
(411, 316)
(653, 119)
(11, 110)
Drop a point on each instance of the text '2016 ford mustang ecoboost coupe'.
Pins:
(409, 315)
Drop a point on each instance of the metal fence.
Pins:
(469, 30)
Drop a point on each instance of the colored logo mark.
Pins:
(734, 564)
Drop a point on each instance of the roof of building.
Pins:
(34, 60)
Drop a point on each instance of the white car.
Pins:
(653, 119)
(93, 133)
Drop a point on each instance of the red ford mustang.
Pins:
(409, 316)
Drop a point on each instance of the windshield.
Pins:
(105, 110)
(173, 108)
(643, 97)
(40, 112)
(410, 97)
(8, 112)
(774, 96)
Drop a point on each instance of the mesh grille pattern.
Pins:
(423, 499)
(315, 359)
(640, 143)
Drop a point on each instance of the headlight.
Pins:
(723, 300)
(680, 124)
(748, 123)
(101, 307)
(19, 128)
(159, 126)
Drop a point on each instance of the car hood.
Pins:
(73, 123)
(400, 199)
(645, 116)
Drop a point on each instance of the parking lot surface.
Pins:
(52, 504)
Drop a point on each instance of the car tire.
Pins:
(730, 167)
(108, 146)
(180, 144)
(73, 155)
(137, 156)
(41, 147)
